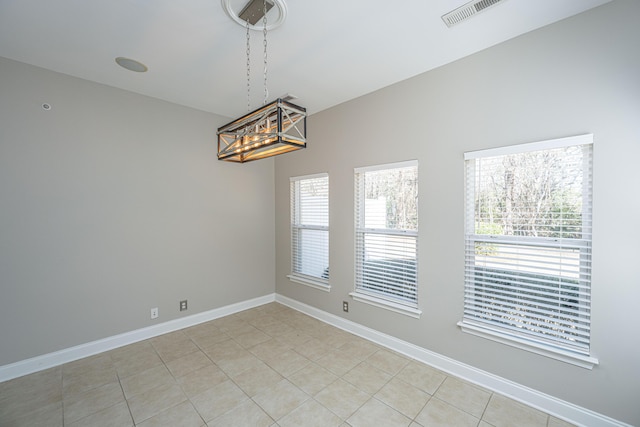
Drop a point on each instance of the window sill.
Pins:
(576, 359)
(387, 305)
(321, 284)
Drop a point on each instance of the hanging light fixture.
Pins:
(275, 128)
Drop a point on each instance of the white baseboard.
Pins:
(57, 358)
(544, 402)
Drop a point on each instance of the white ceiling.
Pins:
(327, 51)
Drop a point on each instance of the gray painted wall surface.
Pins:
(578, 76)
(113, 203)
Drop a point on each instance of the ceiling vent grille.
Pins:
(467, 11)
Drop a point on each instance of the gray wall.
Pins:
(581, 75)
(113, 203)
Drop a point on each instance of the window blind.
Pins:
(310, 227)
(386, 216)
(528, 242)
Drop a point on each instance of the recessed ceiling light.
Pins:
(131, 64)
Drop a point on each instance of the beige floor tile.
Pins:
(257, 379)
(281, 399)
(403, 397)
(46, 416)
(359, 348)
(154, 401)
(437, 413)
(206, 342)
(287, 363)
(245, 329)
(312, 378)
(388, 361)
(115, 416)
(218, 400)
(484, 424)
(131, 350)
(189, 363)
(41, 388)
(262, 319)
(250, 314)
(465, 396)
(336, 338)
(79, 382)
(224, 350)
(367, 378)
(342, 398)
(238, 328)
(136, 362)
(310, 414)
(338, 362)
(174, 346)
(201, 330)
(247, 414)
(92, 401)
(202, 380)
(88, 364)
(183, 415)
(294, 338)
(276, 328)
(503, 411)
(373, 412)
(422, 376)
(268, 349)
(313, 349)
(249, 339)
(229, 323)
(30, 393)
(240, 362)
(146, 380)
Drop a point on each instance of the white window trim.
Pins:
(532, 146)
(367, 298)
(396, 165)
(499, 335)
(363, 297)
(484, 331)
(311, 281)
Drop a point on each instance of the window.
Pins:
(386, 221)
(310, 230)
(528, 247)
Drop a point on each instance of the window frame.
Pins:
(296, 228)
(551, 347)
(377, 299)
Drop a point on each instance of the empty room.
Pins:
(341, 213)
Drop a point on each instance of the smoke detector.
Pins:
(468, 10)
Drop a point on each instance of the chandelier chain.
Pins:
(264, 31)
(248, 69)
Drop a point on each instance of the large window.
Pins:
(310, 230)
(386, 221)
(528, 246)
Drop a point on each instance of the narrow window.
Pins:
(386, 222)
(310, 230)
(528, 245)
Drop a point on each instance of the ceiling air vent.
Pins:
(467, 11)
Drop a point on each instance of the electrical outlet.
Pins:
(345, 306)
(154, 313)
(183, 305)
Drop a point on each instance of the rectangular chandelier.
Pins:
(275, 128)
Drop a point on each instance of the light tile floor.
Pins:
(269, 366)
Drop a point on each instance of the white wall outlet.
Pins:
(154, 313)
